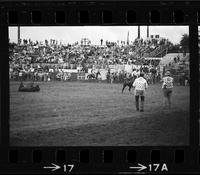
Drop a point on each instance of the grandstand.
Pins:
(168, 58)
(33, 58)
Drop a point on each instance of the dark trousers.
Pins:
(137, 102)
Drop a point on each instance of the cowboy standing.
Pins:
(140, 85)
(167, 87)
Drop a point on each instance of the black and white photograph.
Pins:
(99, 85)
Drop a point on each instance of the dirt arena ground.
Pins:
(96, 114)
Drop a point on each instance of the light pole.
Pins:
(138, 32)
(18, 34)
(147, 31)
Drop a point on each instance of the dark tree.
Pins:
(184, 43)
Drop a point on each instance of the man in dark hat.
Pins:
(140, 85)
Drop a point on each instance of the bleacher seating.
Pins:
(169, 58)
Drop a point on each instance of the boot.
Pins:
(137, 103)
(142, 106)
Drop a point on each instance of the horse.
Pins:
(129, 83)
(93, 75)
(28, 88)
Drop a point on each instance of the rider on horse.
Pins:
(128, 81)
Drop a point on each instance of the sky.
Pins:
(71, 34)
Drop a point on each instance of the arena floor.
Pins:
(96, 114)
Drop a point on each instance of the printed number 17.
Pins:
(71, 167)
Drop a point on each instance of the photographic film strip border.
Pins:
(170, 159)
(102, 15)
(99, 159)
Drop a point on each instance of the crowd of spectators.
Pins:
(29, 59)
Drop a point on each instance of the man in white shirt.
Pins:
(167, 87)
(140, 85)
